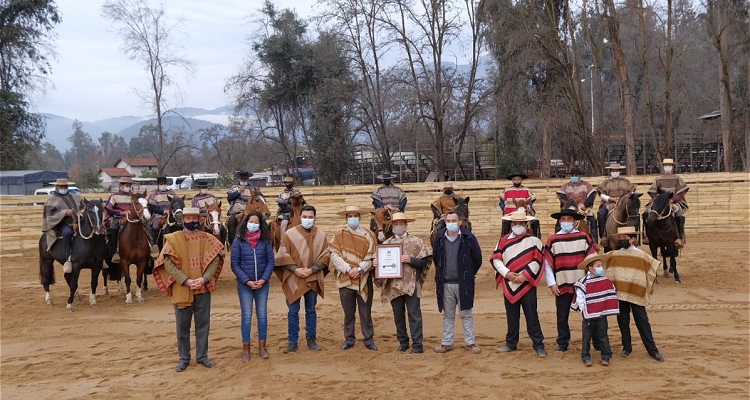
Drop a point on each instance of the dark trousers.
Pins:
(563, 302)
(641, 322)
(351, 301)
(201, 311)
(401, 306)
(513, 315)
(231, 228)
(67, 233)
(595, 330)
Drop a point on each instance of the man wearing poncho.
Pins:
(59, 214)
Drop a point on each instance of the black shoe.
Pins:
(561, 348)
(403, 347)
(347, 346)
(312, 344)
(587, 363)
(626, 353)
(182, 365)
(372, 347)
(541, 352)
(658, 357)
(415, 350)
(207, 363)
(291, 348)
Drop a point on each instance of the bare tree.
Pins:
(148, 40)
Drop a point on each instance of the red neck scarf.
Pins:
(252, 237)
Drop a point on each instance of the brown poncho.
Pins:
(302, 248)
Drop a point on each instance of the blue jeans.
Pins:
(247, 296)
(311, 317)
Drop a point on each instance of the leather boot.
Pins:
(262, 349)
(312, 344)
(644, 235)
(246, 352)
(680, 231)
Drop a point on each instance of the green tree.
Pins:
(87, 179)
(111, 147)
(47, 156)
(83, 151)
(144, 143)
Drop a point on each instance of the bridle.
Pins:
(627, 212)
(660, 216)
(86, 216)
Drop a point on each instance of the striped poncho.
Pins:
(520, 254)
(353, 249)
(633, 272)
(600, 297)
(563, 253)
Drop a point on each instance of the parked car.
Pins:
(51, 190)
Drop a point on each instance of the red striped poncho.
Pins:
(563, 252)
(521, 254)
(601, 297)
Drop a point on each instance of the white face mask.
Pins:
(308, 223)
(126, 189)
(518, 230)
(253, 227)
(204, 191)
(668, 168)
(162, 187)
(399, 230)
(243, 183)
(353, 222)
(615, 174)
(451, 226)
(566, 227)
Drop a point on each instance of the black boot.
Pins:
(680, 230)
(593, 227)
(645, 230)
(312, 344)
(602, 225)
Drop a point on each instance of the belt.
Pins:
(451, 281)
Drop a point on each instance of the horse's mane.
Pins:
(660, 201)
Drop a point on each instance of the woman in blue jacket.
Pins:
(252, 263)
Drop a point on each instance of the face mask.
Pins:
(162, 187)
(308, 223)
(574, 179)
(399, 230)
(353, 222)
(243, 183)
(517, 184)
(63, 191)
(566, 227)
(615, 174)
(204, 191)
(451, 226)
(448, 192)
(668, 168)
(387, 183)
(126, 189)
(518, 230)
(599, 271)
(623, 243)
(289, 186)
(191, 226)
(253, 227)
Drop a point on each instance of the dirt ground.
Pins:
(701, 327)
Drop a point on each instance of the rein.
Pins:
(627, 213)
(139, 214)
(80, 233)
(660, 217)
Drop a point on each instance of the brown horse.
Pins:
(381, 222)
(211, 223)
(625, 213)
(134, 245)
(294, 209)
(255, 202)
(462, 209)
(532, 227)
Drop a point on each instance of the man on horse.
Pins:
(59, 214)
(510, 195)
(583, 194)
(159, 204)
(672, 183)
(237, 196)
(283, 211)
(446, 202)
(388, 193)
(203, 199)
(117, 205)
(610, 191)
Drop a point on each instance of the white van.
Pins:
(174, 182)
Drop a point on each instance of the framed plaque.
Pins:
(389, 261)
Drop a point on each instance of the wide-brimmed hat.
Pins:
(350, 210)
(668, 161)
(192, 211)
(447, 185)
(126, 179)
(514, 174)
(614, 165)
(288, 179)
(161, 179)
(518, 216)
(386, 175)
(626, 230)
(399, 216)
(567, 211)
(244, 174)
(593, 257)
(62, 182)
(201, 183)
(576, 171)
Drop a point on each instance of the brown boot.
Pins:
(262, 349)
(246, 352)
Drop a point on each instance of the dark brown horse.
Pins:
(294, 209)
(661, 229)
(625, 213)
(255, 202)
(462, 209)
(133, 244)
(381, 222)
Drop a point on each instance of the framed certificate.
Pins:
(389, 261)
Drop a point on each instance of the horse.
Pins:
(87, 249)
(174, 220)
(661, 229)
(211, 223)
(294, 209)
(582, 225)
(462, 209)
(381, 222)
(624, 213)
(134, 245)
(533, 226)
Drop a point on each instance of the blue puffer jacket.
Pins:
(252, 263)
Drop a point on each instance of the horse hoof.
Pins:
(666, 273)
(49, 303)
(106, 291)
(141, 300)
(678, 282)
(69, 308)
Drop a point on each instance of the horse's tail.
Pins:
(46, 264)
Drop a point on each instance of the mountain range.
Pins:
(58, 128)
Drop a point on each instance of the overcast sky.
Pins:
(93, 79)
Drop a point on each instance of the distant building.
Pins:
(28, 181)
(110, 177)
(137, 166)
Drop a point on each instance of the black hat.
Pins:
(161, 179)
(567, 211)
(576, 171)
(386, 175)
(201, 183)
(515, 174)
(244, 174)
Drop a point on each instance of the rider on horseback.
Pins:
(203, 199)
(672, 183)
(238, 196)
(583, 193)
(117, 205)
(284, 211)
(610, 191)
(446, 202)
(159, 204)
(508, 200)
(388, 193)
(59, 215)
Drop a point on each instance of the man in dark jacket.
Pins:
(457, 258)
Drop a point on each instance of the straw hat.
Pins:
(518, 216)
(288, 179)
(668, 161)
(62, 182)
(447, 185)
(399, 216)
(593, 257)
(515, 174)
(192, 211)
(126, 179)
(614, 165)
(567, 211)
(386, 175)
(350, 210)
(627, 230)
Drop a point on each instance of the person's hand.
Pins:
(300, 272)
(69, 213)
(251, 284)
(555, 290)
(511, 276)
(196, 284)
(306, 272)
(405, 258)
(354, 273)
(613, 199)
(520, 278)
(374, 261)
(260, 283)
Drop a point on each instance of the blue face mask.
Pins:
(353, 222)
(191, 226)
(575, 179)
(308, 223)
(566, 227)
(63, 191)
(253, 227)
(126, 189)
(599, 271)
(451, 226)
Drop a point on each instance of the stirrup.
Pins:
(154, 251)
(644, 240)
(678, 243)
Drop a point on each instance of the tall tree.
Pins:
(148, 39)
(26, 32)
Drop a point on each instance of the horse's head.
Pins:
(462, 208)
(382, 217)
(176, 205)
(660, 206)
(296, 199)
(214, 217)
(90, 218)
(139, 207)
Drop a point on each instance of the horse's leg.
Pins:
(105, 276)
(125, 265)
(140, 281)
(664, 261)
(72, 279)
(47, 274)
(673, 267)
(95, 270)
